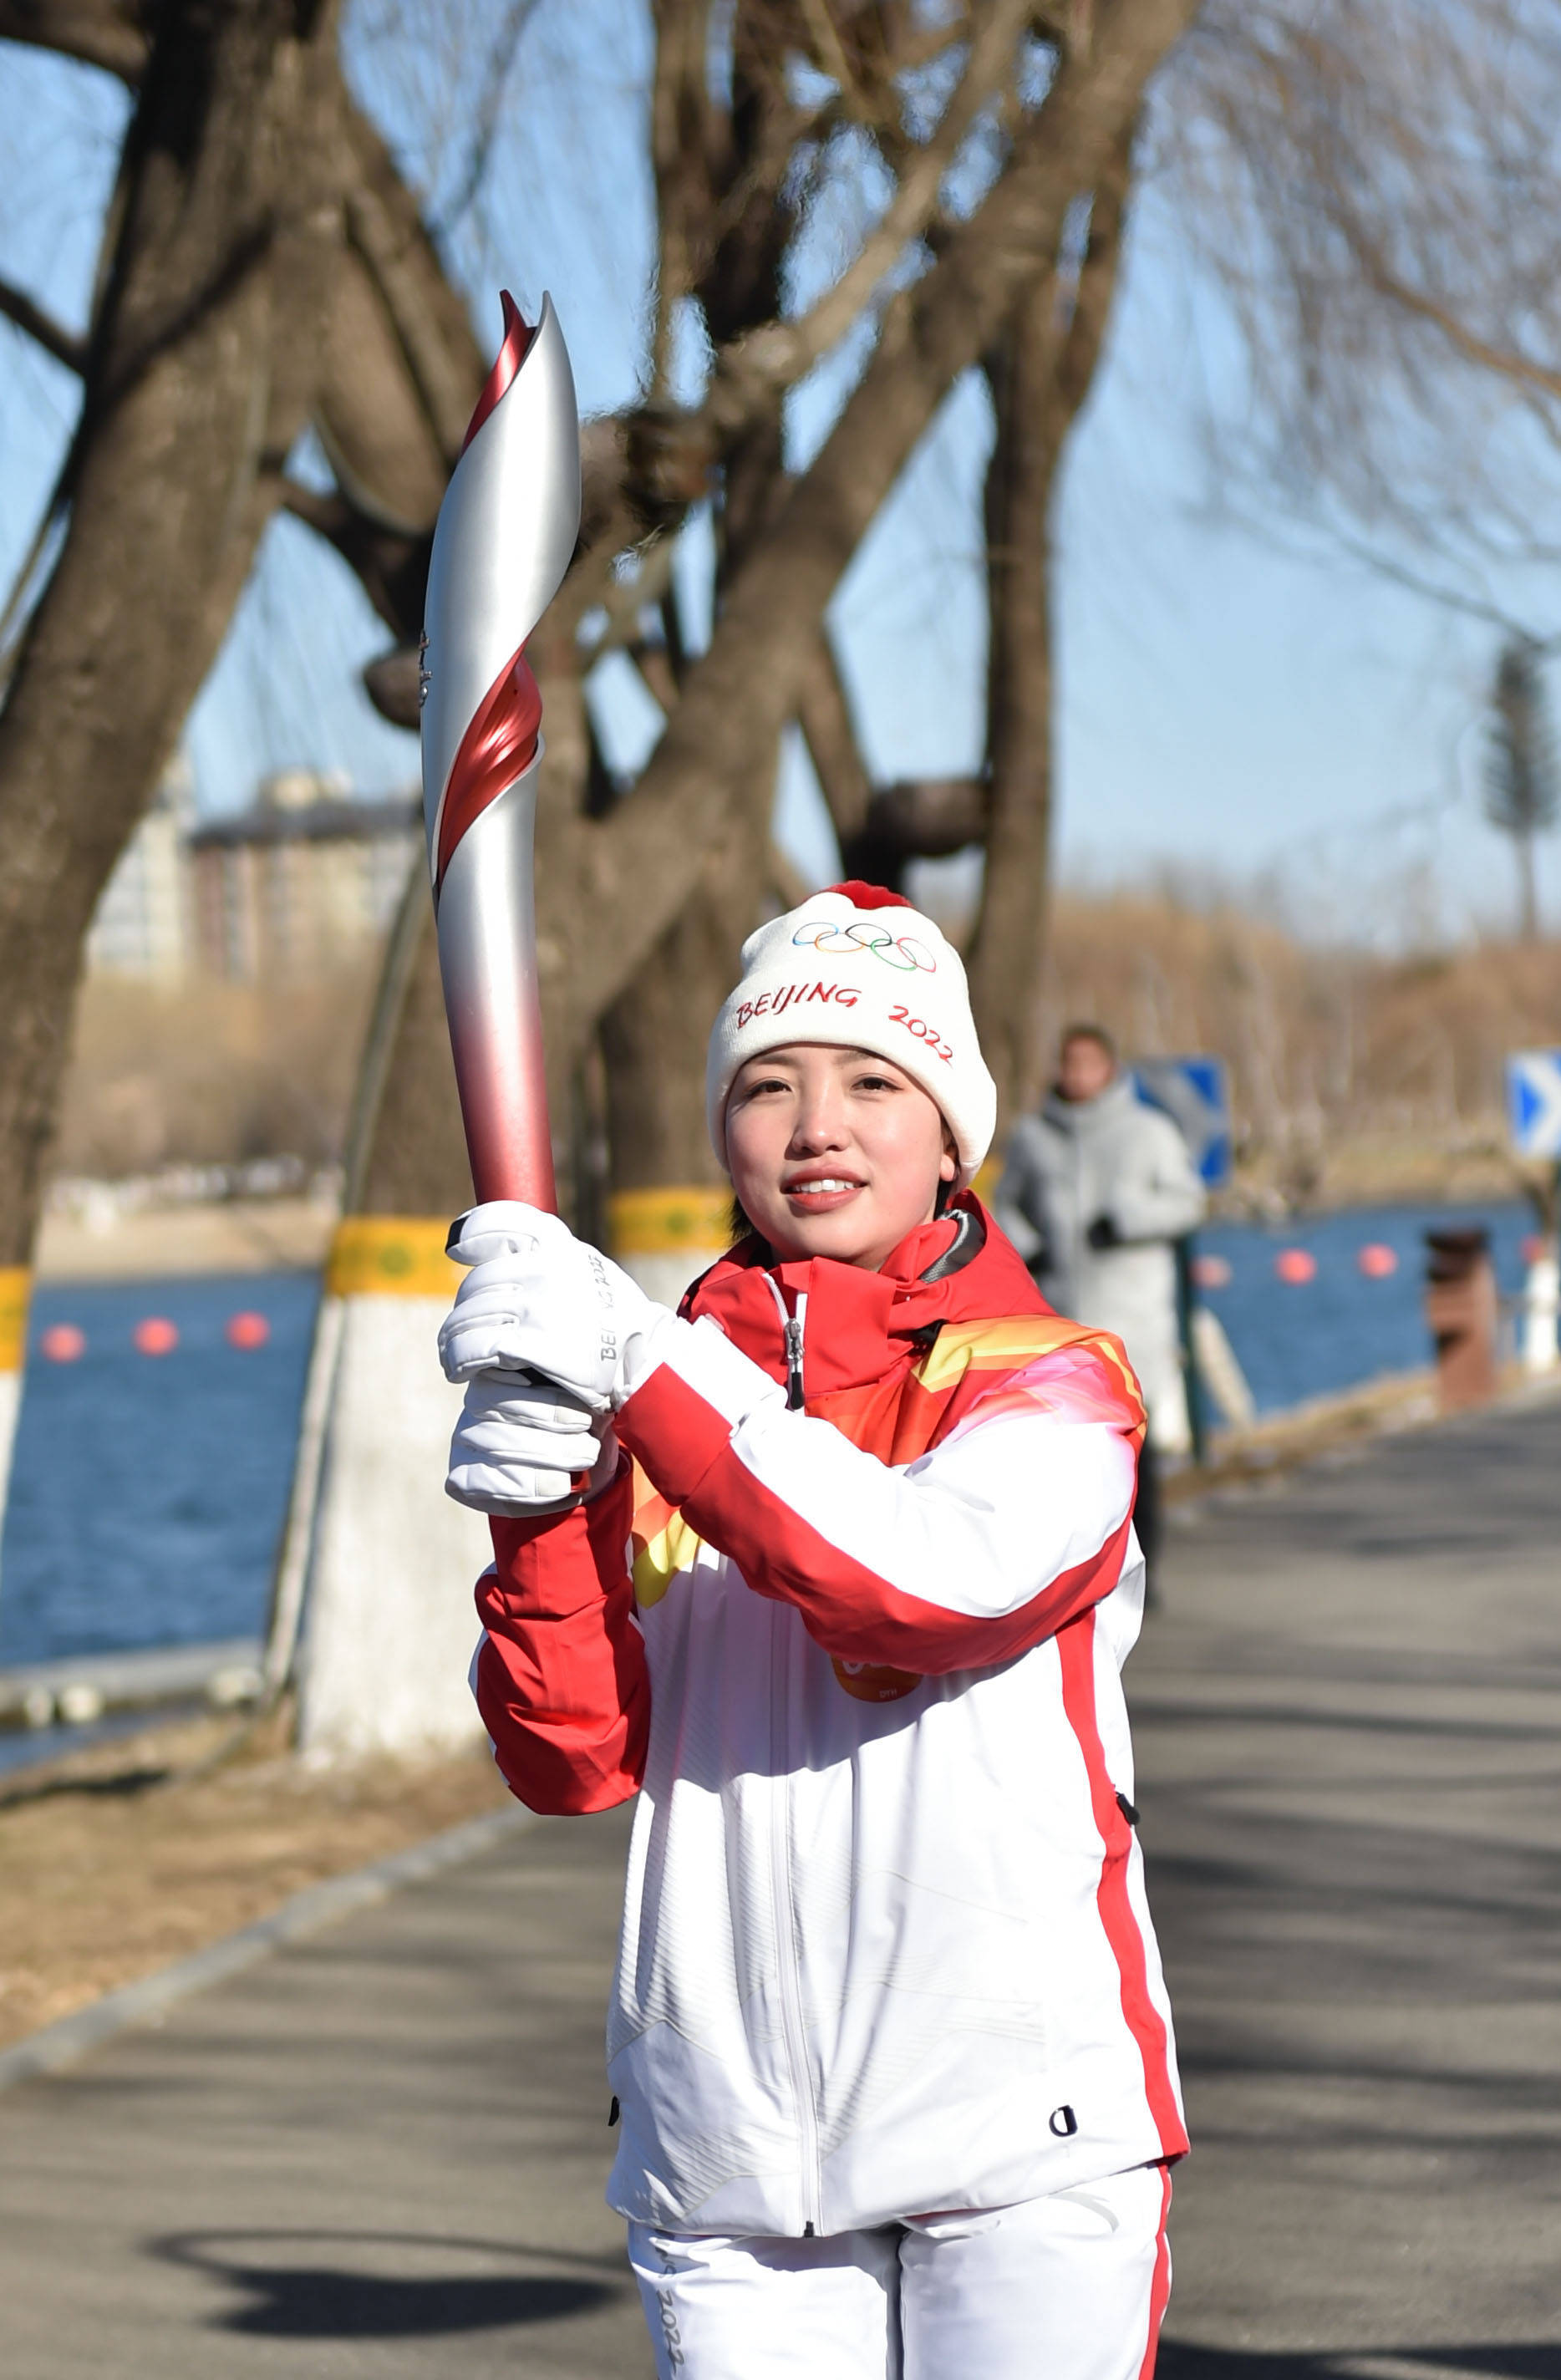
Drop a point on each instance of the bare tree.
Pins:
(194, 387)
(290, 278)
(1040, 378)
(1523, 787)
(1374, 191)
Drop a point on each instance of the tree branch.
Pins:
(780, 353)
(495, 83)
(1508, 363)
(824, 715)
(113, 34)
(1096, 290)
(66, 347)
(631, 874)
(680, 166)
(444, 359)
(1451, 598)
(1039, 382)
(391, 563)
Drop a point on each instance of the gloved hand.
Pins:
(538, 1299)
(1103, 1233)
(523, 1447)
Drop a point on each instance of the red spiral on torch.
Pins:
(498, 743)
(500, 739)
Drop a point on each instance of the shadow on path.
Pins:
(291, 2298)
(1179, 2361)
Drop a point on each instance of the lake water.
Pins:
(1302, 1341)
(147, 1491)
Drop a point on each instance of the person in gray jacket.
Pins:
(1093, 1190)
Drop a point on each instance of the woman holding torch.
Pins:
(835, 1570)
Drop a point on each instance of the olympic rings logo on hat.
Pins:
(899, 951)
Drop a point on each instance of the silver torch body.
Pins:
(505, 534)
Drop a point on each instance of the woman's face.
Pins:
(834, 1152)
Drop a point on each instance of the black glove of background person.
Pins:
(1103, 1233)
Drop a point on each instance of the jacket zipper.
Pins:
(791, 1329)
(788, 1977)
(787, 1972)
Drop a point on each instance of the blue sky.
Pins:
(1226, 708)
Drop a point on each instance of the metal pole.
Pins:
(1197, 1401)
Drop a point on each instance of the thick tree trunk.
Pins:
(1040, 379)
(669, 1202)
(192, 396)
(655, 1034)
(828, 729)
(654, 1037)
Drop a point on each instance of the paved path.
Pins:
(1348, 1733)
(381, 2152)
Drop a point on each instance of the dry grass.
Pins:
(211, 1073)
(1353, 1076)
(118, 1862)
(232, 1236)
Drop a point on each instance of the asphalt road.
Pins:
(1348, 1736)
(381, 2152)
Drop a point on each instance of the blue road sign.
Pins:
(1194, 1094)
(1534, 1101)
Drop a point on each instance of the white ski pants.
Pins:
(1067, 2288)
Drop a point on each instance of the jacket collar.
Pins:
(1085, 1116)
(859, 1325)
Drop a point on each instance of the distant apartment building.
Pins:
(298, 884)
(142, 924)
(289, 889)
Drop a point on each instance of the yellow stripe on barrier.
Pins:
(391, 1255)
(15, 1287)
(666, 1222)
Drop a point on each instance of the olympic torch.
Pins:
(503, 539)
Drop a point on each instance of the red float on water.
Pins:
(1376, 1260)
(248, 1331)
(62, 1343)
(1211, 1272)
(156, 1335)
(1296, 1265)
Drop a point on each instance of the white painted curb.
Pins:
(307, 1913)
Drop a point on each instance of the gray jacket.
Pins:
(1115, 1158)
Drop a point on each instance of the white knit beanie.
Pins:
(859, 968)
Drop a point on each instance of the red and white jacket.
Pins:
(885, 1950)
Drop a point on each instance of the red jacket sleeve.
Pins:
(966, 1557)
(559, 1678)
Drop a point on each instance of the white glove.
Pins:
(522, 1447)
(538, 1299)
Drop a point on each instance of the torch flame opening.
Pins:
(518, 335)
